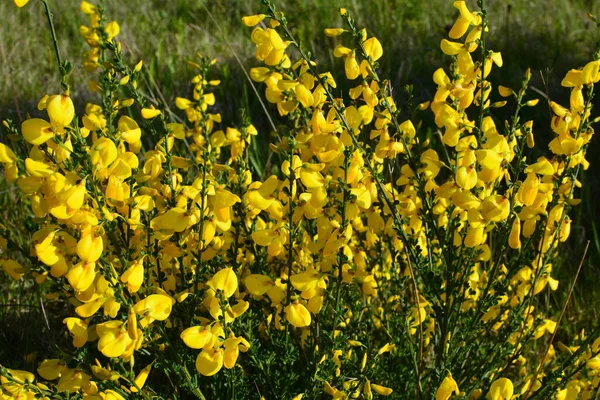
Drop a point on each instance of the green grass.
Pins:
(551, 37)
(546, 36)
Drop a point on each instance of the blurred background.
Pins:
(548, 36)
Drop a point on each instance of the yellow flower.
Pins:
(37, 131)
(60, 110)
(130, 130)
(140, 379)
(82, 275)
(381, 390)
(198, 337)
(297, 315)
(155, 306)
(252, 20)
(333, 32)
(446, 389)
(176, 220)
(209, 362)
(51, 369)
(149, 113)
(114, 338)
(13, 268)
(78, 329)
(21, 3)
(257, 284)
(501, 389)
(134, 276)
(226, 281)
(373, 48)
(87, 8)
(7, 156)
(90, 247)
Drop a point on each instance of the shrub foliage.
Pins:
(384, 248)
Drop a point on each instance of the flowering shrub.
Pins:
(370, 258)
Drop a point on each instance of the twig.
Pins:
(237, 58)
(562, 313)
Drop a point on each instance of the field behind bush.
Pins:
(550, 37)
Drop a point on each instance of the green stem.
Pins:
(50, 17)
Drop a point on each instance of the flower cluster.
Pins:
(366, 250)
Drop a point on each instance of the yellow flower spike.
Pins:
(373, 48)
(381, 390)
(141, 378)
(90, 247)
(297, 315)
(209, 362)
(37, 131)
(156, 306)
(257, 284)
(81, 276)
(197, 337)
(21, 3)
(149, 113)
(78, 329)
(501, 389)
(252, 20)
(226, 281)
(51, 369)
(446, 389)
(61, 110)
(333, 32)
(114, 338)
(130, 130)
